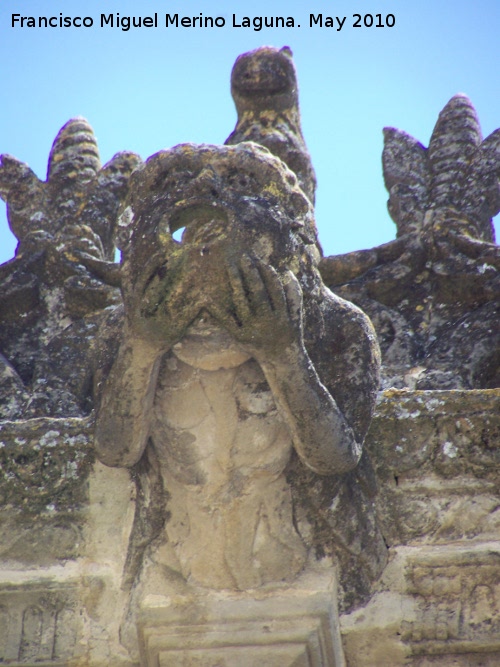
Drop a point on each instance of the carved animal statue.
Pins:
(265, 91)
(233, 355)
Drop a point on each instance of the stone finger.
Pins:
(255, 287)
(273, 286)
(225, 317)
(293, 295)
(241, 303)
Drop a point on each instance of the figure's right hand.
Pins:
(162, 297)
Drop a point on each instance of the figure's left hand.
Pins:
(263, 309)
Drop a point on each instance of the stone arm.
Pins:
(321, 434)
(123, 422)
(157, 314)
(343, 346)
(264, 314)
(340, 269)
(267, 319)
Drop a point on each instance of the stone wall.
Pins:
(438, 600)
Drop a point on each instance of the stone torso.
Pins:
(222, 446)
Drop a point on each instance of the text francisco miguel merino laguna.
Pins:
(171, 20)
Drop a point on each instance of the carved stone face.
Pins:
(229, 201)
(263, 74)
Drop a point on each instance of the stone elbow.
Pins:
(338, 459)
(111, 450)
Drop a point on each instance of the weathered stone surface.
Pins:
(437, 459)
(233, 388)
(435, 606)
(458, 600)
(64, 526)
(438, 601)
(44, 466)
(63, 269)
(277, 626)
(40, 623)
(433, 294)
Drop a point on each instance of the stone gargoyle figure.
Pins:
(234, 359)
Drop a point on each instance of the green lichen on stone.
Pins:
(44, 464)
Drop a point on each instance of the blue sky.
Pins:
(147, 89)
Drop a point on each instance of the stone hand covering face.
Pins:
(233, 354)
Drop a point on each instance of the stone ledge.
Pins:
(453, 660)
(459, 647)
(294, 627)
(301, 642)
(437, 459)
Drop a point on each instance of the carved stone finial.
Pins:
(78, 202)
(64, 266)
(458, 171)
(265, 92)
(74, 154)
(454, 141)
(439, 280)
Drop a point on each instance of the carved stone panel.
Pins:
(40, 623)
(458, 601)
